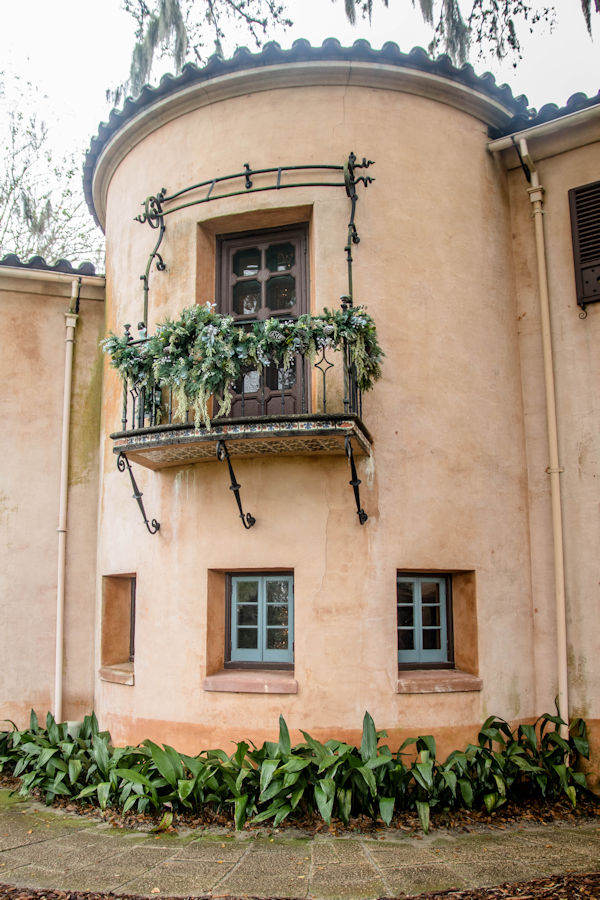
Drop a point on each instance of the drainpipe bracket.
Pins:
(554, 471)
(536, 194)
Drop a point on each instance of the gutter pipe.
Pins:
(71, 318)
(571, 120)
(47, 275)
(554, 469)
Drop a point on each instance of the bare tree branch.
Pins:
(190, 29)
(193, 29)
(42, 210)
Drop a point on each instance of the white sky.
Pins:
(72, 50)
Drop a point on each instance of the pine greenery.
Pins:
(203, 353)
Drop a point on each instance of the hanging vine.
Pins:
(203, 353)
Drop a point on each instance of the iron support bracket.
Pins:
(223, 454)
(122, 464)
(362, 516)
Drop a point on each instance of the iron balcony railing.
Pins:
(312, 406)
(327, 385)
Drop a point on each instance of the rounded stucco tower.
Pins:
(210, 627)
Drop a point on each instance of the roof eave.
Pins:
(490, 110)
(557, 135)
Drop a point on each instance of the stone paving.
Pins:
(44, 848)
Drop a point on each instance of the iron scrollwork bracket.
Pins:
(122, 464)
(154, 216)
(362, 516)
(223, 454)
(350, 182)
(350, 179)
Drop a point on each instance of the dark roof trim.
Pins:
(11, 260)
(547, 113)
(331, 50)
(301, 51)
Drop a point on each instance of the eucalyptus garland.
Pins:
(203, 353)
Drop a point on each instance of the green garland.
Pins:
(202, 353)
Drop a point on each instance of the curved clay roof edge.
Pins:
(12, 261)
(301, 51)
(548, 113)
(518, 115)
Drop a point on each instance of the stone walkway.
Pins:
(43, 848)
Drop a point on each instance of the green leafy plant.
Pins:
(278, 780)
(202, 353)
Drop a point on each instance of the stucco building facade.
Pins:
(471, 587)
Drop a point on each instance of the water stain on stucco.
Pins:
(576, 667)
(514, 698)
(179, 485)
(6, 507)
(369, 470)
(85, 425)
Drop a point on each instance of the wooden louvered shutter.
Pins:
(584, 203)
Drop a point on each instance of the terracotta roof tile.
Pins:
(12, 261)
(331, 49)
(301, 51)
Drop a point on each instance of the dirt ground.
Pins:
(564, 887)
(573, 886)
(463, 820)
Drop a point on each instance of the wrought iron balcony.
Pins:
(289, 398)
(309, 408)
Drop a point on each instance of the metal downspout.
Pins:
(536, 192)
(70, 323)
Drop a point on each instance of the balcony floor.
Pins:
(302, 435)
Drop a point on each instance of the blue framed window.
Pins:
(262, 618)
(423, 618)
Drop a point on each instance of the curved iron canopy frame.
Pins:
(159, 205)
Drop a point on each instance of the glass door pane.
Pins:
(245, 619)
(278, 618)
(408, 635)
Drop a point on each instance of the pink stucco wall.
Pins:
(32, 316)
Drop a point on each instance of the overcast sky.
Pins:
(73, 50)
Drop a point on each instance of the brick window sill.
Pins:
(436, 681)
(118, 673)
(252, 681)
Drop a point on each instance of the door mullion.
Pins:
(443, 619)
(234, 618)
(263, 278)
(418, 623)
(261, 617)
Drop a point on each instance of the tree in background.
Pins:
(491, 26)
(586, 8)
(190, 30)
(42, 210)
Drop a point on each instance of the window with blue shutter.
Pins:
(262, 618)
(423, 619)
